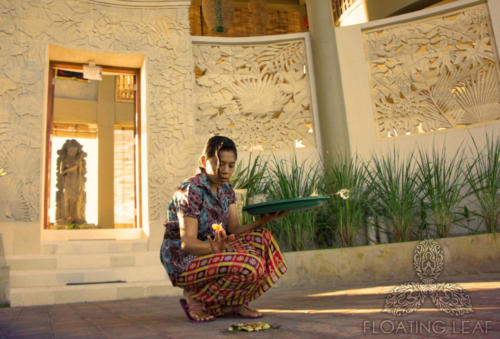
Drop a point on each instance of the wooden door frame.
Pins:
(53, 65)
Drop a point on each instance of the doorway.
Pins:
(92, 174)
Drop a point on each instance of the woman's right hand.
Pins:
(220, 241)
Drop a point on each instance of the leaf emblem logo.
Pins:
(428, 260)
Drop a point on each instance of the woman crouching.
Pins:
(220, 273)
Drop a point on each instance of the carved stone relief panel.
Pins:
(161, 34)
(433, 74)
(258, 94)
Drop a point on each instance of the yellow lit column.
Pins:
(331, 108)
(105, 120)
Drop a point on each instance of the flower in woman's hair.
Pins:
(217, 227)
(344, 193)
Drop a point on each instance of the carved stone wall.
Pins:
(258, 94)
(161, 33)
(437, 73)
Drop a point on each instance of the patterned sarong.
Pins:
(235, 277)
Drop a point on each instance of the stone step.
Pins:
(31, 296)
(81, 261)
(94, 246)
(60, 277)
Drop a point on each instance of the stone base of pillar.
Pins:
(4, 284)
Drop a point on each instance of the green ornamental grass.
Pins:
(287, 180)
(250, 176)
(345, 183)
(483, 177)
(427, 190)
(442, 181)
(395, 191)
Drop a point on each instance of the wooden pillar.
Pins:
(105, 135)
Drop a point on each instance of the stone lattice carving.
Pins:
(160, 33)
(70, 196)
(433, 74)
(257, 94)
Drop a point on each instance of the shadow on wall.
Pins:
(4, 275)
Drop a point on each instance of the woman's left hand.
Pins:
(268, 217)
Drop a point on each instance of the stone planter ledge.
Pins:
(464, 255)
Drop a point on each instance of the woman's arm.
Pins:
(233, 225)
(188, 227)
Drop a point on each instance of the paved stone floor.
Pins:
(340, 312)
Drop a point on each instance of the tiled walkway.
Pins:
(340, 312)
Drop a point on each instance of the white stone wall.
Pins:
(257, 92)
(438, 73)
(362, 52)
(159, 32)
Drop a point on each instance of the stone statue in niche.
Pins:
(71, 197)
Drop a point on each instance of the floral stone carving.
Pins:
(433, 74)
(256, 93)
(160, 33)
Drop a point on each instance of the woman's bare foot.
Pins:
(244, 311)
(248, 312)
(196, 314)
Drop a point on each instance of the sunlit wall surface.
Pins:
(124, 204)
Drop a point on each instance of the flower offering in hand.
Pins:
(217, 227)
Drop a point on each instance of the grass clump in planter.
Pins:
(344, 180)
(395, 192)
(442, 181)
(483, 177)
(291, 179)
(250, 177)
(419, 195)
